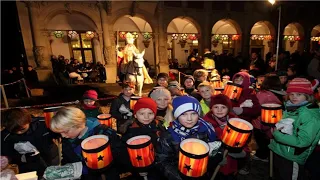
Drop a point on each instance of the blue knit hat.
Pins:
(182, 104)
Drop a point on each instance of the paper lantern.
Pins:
(236, 133)
(193, 157)
(217, 84)
(96, 151)
(218, 91)
(106, 119)
(141, 152)
(271, 113)
(233, 91)
(133, 101)
(49, 113)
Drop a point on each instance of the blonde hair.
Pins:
(205, 84)
(67, 117)
(199, 73)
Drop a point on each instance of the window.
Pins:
(82, 48)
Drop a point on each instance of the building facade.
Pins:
(91, 31)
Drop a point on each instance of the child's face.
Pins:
(88, 102)
(188, 83)
(205, 92)
(220, 110)
(290, 72)
(238, 80)
(162, 102)
(297, 98)
(145, 116)
(202, 78)
(163, 82)
(283, 79)
(189, 119)
(128, 91)
(71, 133)
(22, 129)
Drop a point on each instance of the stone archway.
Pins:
(315, 37)
(182, 39)
(292, 37)
(226, 36)
(262, 38)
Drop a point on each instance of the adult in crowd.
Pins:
(314, 65)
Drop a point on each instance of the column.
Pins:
(162, 44)
(207, 26)
(109, 48)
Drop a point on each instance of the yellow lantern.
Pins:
(49, 113)
(96, 152)
(133, 101)
(193, 157)
(106, 119)
(233, 91)
(271, 113)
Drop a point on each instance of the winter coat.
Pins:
(167, 117)
(40, 137)
(204, 107)
(306, 134)
(91, 112)
(114, 110)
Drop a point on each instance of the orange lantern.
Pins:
(236, 133)
(49, 113)
(233, 91)
(217, 84)
(193, 157)
(133, 101)
(140, 151)
(271, 113)
(106, 119)
(218, 91)
(96, 152)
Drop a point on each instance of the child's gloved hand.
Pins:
(214, 147)
(285, 126)
(237, 110)
(247, 103)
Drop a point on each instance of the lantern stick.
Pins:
(271, 163)
(103, 177)
(144, 175)
(218, 167)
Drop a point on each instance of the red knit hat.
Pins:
(300, 85)
(145, 102)
(221, 99)
(91, 94)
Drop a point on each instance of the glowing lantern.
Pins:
(217, 84)
(141, 152)
(260, 80)
(122, 35)
(193, 157)
(184, 37)
(235, 37)
(192, 37)
(49, 113)
(73, 34)
(236, 133)
(133, 101)
(233, 91)
(106, 119)
(175, 36)
(90, 34)
(218, 91)
(96, 152)
(271, 113)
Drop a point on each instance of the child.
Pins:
(292, 72)
(164, 109)
(200, 76)
(120, 107)
(292, 148)
(162, 81)
(188, 124)
(218, 116)
(283, 76)
(189, 87)
(205, 90)
(21, 129)
(175, 89)
(89, 104)
(74, 127)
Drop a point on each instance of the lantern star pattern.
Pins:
(100, 158)
(233, 91)
(271, 113)
(188, 167)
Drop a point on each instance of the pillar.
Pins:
(207, 26)
(162, 43)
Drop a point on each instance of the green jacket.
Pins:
(306, 134)
(204, 108)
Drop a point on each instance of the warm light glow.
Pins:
(272, 1)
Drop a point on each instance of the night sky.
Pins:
(11, 39)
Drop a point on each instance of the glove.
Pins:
(123, 128)
(124, 110)
(247, 103)
(285, 126)
(214, 147)
(237, 110)
(26, 147)
(241, 154)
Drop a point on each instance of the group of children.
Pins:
(171, 114)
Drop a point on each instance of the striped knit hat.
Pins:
(300, 85)
(182, 104)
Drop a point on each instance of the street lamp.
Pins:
(278, 35)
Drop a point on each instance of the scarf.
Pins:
(222, 122)
(293, 107)
(179, 132)
(85, 107)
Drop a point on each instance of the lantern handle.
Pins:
(218, 167)
(144, 175)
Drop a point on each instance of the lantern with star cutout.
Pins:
(236, 133)
(49, 113)
(96, 152)
(218, 91)
(141, 152)
(271, 113)
(106, 119)
(217, 84)
(133, 101)
(193, 157)
(233, 91)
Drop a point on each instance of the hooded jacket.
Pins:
(114, 110)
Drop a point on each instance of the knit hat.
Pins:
(221, 99)
(182, 104)
(145, 102)
(91, 94)
(300, 85)
(189, 77)
(160, 92)
(174, 84)
(163, 75)
(315, 84)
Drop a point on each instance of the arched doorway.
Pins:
(262, 38)
(315, 37)
(74, 36)
(182, 39)
(292, 38)
(226, 37)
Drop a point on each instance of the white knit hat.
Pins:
(160, 92)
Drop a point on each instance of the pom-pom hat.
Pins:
(182, 104)
(221, 99)
(300, 85)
